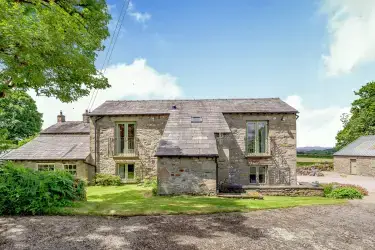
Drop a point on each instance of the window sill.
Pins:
(258, 155)
(126, 155)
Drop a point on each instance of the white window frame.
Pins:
(46, 164)
(126, 138)
(256, 139)
(69, 170)
(126, 172)
(257, 175)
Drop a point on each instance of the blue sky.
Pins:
(300, 51)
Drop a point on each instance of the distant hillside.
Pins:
(304, 149)
(315, 152)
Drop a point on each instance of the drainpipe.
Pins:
(96, 157)
(217, 175)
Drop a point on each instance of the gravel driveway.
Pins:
(315, 227)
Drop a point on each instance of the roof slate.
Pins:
(363, 146)
(68, 127)
(258, 105)
(53, 147)
(181, 137)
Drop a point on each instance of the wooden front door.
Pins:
(353, 166)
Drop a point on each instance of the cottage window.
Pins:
(126, 171)
(46, 167)
(256, 137)
(71, 168)
(125, 138)
(258, 175)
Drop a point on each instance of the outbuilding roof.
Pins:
(363, 146)
(257, 105)
(53, 147)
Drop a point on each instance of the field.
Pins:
(313, 159)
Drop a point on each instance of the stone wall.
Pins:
(365, 165)
(234, 164)
(288, 191)
(149, 129)
(84, 171)
(190, 175)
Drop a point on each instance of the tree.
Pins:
(19, 117)
(361, 121)
(50, 46)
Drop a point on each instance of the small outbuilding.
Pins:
(357, 158)
(64, 146)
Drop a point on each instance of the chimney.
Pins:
(86, 117)
(61, 117)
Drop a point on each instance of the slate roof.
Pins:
(68, 127)
(181, 137)
(363, 146)
(53, 147)
(258, 105)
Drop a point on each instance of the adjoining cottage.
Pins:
(357, 158)
(65, 146)
(193, 146)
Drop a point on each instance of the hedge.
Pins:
(27, 191)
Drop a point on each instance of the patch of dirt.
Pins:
(315, 227)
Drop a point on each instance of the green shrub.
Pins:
(327, 188)
(107, 180)
(26, 191)
(153, 183)
(345, 193)
(360, 189)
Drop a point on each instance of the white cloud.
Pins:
(316, 127)
(136, 15)
(351, 27)
(136, 80)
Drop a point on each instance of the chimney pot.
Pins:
(86, 117)
(61, 117)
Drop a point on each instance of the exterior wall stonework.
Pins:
(365, 165)
(148, 132)
(84, 171)
(193, 175)
(233, 162)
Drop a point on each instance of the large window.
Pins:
(71, 168)
(126, 171)
(258, 175)
(256, 137)
(125, 138)
(46, 167)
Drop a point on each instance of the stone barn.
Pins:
(193, 146)
(357, 158)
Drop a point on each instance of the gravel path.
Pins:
(316, 227)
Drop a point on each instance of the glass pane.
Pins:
(250, 137)
(120, 138)
(262, 175)
(121, 171)
(131, 138)
(262, 134)
(130, 171)
(253, 170)
(253, 178)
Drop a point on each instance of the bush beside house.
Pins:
(26, 191)
(344, 191)
(107, 180)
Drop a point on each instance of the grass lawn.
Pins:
(130, 200)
